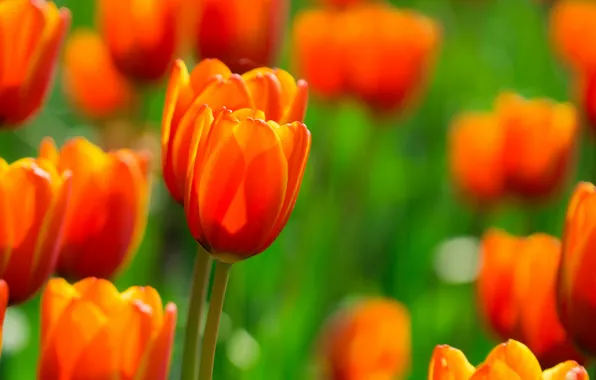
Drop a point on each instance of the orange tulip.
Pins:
(585, 89)
(141, 35)
(573, 31)
(244, 175)
(273, 91)
(370, 340)
(91, 331)
(517, 293)
(91, 80)
(33, 201)
(576, 287)
(108, 209)
(33, 31)
(3, 305)
(508, 361)
(243, 34)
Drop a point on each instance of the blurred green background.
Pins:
(376, 215)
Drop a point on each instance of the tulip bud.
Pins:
(108, 211)
(33, 200)
(91, 331)
(33, 30)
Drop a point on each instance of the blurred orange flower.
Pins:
(522, 149)
(576, 286)
(91, 81)
(585, 93)
(34, 31)
(573, 32)
(33, 201)
(91, 331)
(517, 293)
(3, 305)
(108, 209)
(141, 35)
(244, 34)
(274, 91)
(370, 340)
(510, 360)
(243, 178)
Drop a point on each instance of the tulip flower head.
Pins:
(91, 81)
(573, 31)
(91, 331)
(273, 91)
(108, 210)
(34, 31)
(517, 293)
(370, 340)
(141, 36)
(34, 198)
(507, 361)
(3, 305)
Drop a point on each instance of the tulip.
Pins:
(585, 92)
(370, 340)
(573, 31)
(91, 331)
(510, 360)
(517, 293)
(244, 34)
(3, 305)
(141, 36)
(244, 174)
(33, 201)
(108, 211)
(33, 30)
(91, 81)
(273, 91)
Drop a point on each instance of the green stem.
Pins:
(194, 321)
(218, 294)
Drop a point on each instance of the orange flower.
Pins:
(3, 305)
(33, 201)
(107, 213)
(370, 340)
(517, 294)
(508, 361)
(244, 34)
(273, 91)
(244, 175)
(91, 331)
(91, 80)
(33, 31)
(585, 92)
(573, 32)
(141, 35)
(576, 287)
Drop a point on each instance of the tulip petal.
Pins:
(265, 91)
(231, 93)
(6, 215)
(498, 370)
(102, 293)
(149, 297)
(49, 151)
(56, 297)
(568, 370)
(517, 357)
(448, 363)
(203, 73)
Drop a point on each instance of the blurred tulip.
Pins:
(34, 31)
(244, 34)
(141, 36)
(585, 92)
(108, 210)
(91, 81)
(91, 331)
(3, 305)
(517, 294)
(244, 175)
(33, 202)
(370, 340)
(573, 32)
(273, 91)
(507, 361)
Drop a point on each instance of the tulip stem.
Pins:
(194, 321)
(218, 294)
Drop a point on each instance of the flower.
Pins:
(243, 178)
(141, 36)
(34, 31)
(510, 360)
(517, 293)
(585, 92)
(91, 331)
(573, 31)
(369, 340)
(3, 305)
(33, 201)
(242, 34)
(273, 91)
(108, 210)
(91, 81)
